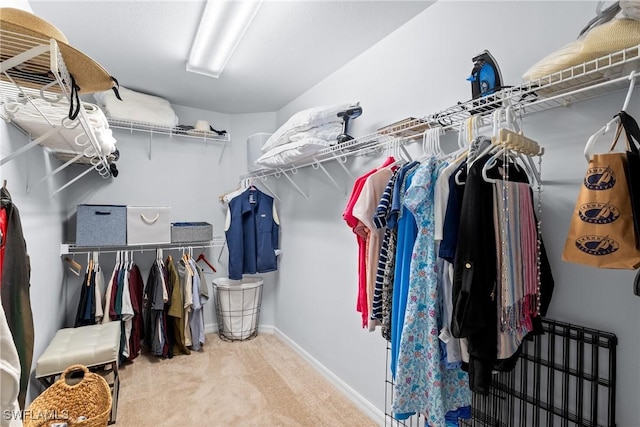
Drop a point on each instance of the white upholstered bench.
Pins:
(94, 346)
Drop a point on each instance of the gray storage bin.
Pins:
(184, 232)
(101, 225)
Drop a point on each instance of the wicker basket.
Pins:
(86, 403)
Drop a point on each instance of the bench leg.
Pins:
(115, 391)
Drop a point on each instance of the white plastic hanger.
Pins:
(511, 138)
(613, 122)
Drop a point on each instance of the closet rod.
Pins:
(66, 248)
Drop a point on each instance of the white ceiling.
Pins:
(291, 46)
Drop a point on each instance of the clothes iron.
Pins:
(347, 115)
(485, 76)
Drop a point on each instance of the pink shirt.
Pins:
(364, 209)
(357, 227)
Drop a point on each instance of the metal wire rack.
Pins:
(151, 129)
(566, 377)
(591, 79)
(36, 70)
(216, 242)
(165, 130)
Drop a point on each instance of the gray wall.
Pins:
(182, 173)
(42, 219)
(420, 69)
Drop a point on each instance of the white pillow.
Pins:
(137, 107)
(291, 152)
(327, 131)
(303, 121)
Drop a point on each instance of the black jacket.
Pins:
(475, 278)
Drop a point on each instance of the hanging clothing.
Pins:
(475, 309)
(175, 321)
(3, 234)
(126, 312)
(98, 295)
(199, 299)
(155, 337)
(136, 291)
(364, 210)
(423, 384)
(383, 287)
(186, 282)
(356, 226)
(401, 218)
(85, 315)
(252, 232)
(106, 317)
(15, 290)
(9, 375)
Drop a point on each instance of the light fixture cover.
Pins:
(221, 28)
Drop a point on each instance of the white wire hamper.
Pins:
(237, 307)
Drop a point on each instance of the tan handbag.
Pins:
(601, 233)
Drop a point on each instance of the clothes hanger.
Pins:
(507, 136)
(476, 123)
(613, 122)
(202, 257)
(473, 129)
(89, 267)
(431, 144)
(73, 266)
(522, 147)
(226, 198)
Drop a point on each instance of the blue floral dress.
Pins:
(423, 384)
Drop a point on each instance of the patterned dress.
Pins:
(423, 384)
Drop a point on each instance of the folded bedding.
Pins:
(69, 138)
(137, 107)
(304, 121)
(327, 131)
(292, 152)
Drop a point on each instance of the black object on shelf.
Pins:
(346, 116)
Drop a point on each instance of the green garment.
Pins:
(176, 309)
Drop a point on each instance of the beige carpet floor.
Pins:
(258, 382)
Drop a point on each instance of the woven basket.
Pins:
(86, 403)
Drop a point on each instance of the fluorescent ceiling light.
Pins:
(221, 28)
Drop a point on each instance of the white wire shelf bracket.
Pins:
(70, 248)
(598, 77)
(151, 129)
(35, 95)
(340, 152)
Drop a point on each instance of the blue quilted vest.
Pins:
(252, 236)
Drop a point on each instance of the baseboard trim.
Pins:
(372, 411)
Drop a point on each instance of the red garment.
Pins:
(359, 230)
(3, 235)
(136, 290)
(113, 314)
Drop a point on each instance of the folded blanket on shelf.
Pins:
(38, 115)
(137, 107)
